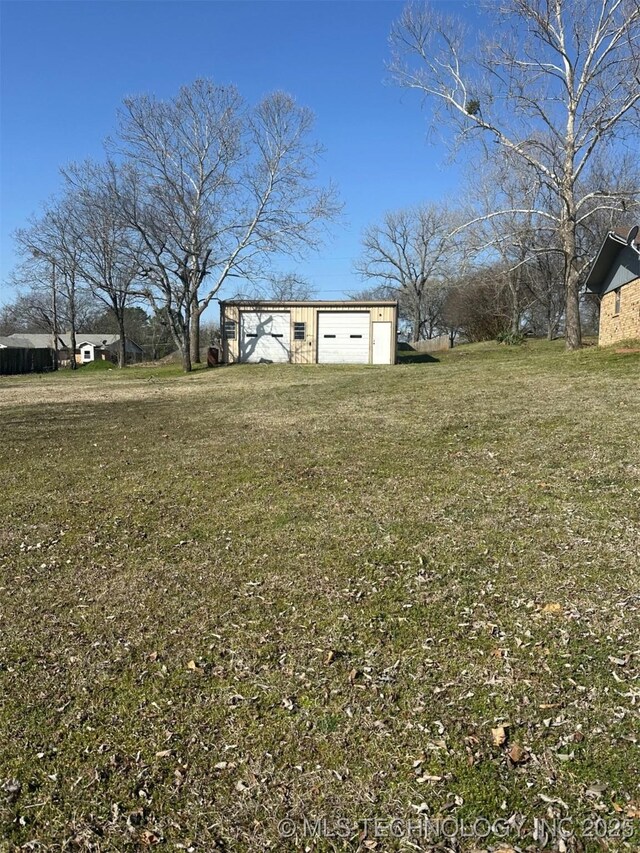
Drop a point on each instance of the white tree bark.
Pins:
(558, 87)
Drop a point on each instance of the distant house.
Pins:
(89, 348)
(615, 279)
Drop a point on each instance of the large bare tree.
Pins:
(555, 85)
(411, 255)
(213, 188)
(109, 258)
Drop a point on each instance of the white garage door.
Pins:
(343, 337)
(265, 336)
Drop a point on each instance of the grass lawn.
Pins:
(269, 592)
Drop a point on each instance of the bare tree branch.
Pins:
(559, 86)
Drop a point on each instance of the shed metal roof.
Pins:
(314, 303)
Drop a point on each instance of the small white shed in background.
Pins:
(346, 332)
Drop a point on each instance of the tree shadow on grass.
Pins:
(408, 355)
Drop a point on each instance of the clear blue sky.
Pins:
(66, 66)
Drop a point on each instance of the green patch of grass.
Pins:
(269, 591)
(96, 366)
(413, 357)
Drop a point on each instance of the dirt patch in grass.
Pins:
(314, 594)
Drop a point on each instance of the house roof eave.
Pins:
(609, 249)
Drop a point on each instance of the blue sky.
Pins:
(66, 66)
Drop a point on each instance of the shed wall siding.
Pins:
(625, 325)
(303, 352)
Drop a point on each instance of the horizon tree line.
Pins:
(203, 189)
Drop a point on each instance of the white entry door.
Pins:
(381, 345)
(265, 336)
(343, 337)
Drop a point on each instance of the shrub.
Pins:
(98, 364)
(511, 339)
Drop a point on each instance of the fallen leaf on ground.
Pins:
(517, 754)
(148, 837)
(499, 735)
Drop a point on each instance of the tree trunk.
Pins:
(573, 334)
(515, 311)
(186, 344)
(54, 309)
(551, 327)
(72, 362)
(417, 322)
(122, 346)
(514, 289)
(195, 334)
(72, 319)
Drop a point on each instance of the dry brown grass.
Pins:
(274, 592)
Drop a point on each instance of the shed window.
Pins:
(229, 330)
(617, 308)
(299, 331)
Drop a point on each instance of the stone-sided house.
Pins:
(615, 279)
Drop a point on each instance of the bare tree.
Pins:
(621, 176)
(213, 188)
(544, 285)
(109, 258)
(478, 305)
(511, 242)
(410, 256)
(51, 241)
(555, 89)
(288, 288)
(32, 309)
(525, 246)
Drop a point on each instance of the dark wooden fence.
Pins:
(19, 360)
